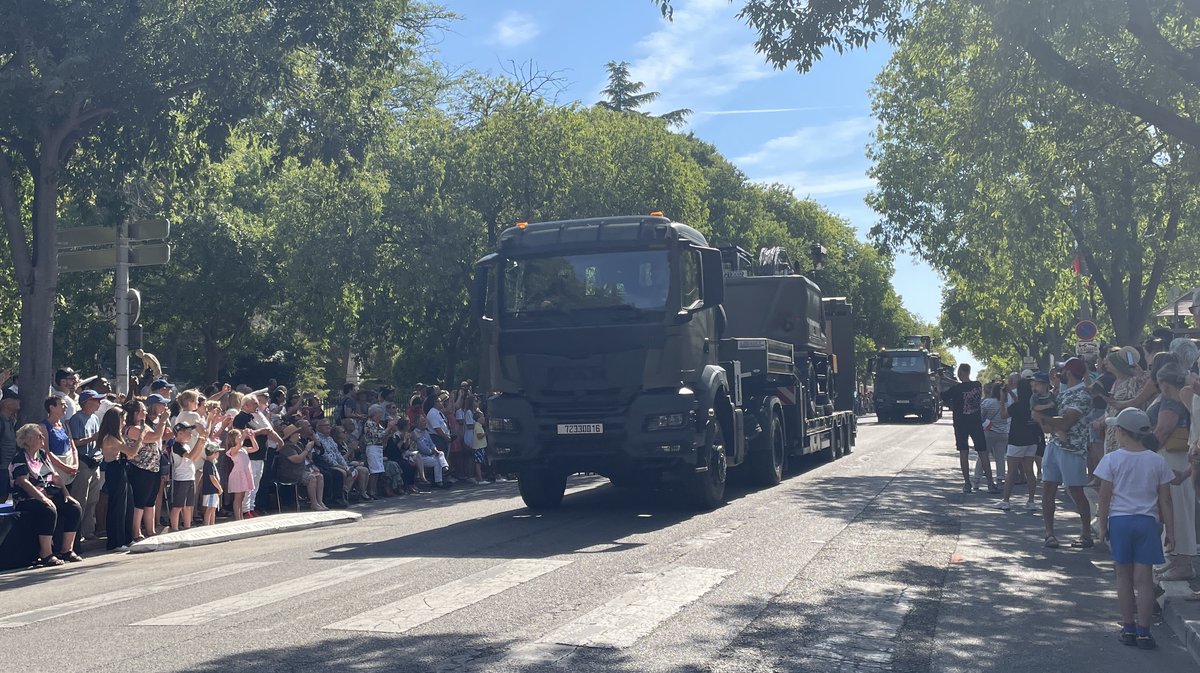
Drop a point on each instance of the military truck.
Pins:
(908, 381)
(618, 346)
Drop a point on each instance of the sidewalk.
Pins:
(1046, 609)
(247, 528)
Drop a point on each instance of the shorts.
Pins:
(1064, 467)
(1135, 539)
(213, 500)
(974, 432)
(481, 456)
(375, 459)
(1021, 451)
(183, 493)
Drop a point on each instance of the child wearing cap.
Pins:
(210, 487)
(1135, 504)
(1043, 401)
(184, 454)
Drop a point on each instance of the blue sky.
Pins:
(808, 131)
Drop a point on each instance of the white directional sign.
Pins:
(1087, 348)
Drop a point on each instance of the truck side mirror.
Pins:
(479, 290)
(714, 277)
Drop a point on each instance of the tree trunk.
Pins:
(213, 359)
(38, 291)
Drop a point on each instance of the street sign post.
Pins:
(88, 237)
(1087, 349)
(102, 259)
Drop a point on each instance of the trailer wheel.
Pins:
(766, 462)
(542, 489)
(706, 490)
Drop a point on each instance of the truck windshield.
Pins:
(903, 363)
(613, 285)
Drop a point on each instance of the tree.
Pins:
(82, 80)
(1137, 56)
(1000, 177)
(626, 95)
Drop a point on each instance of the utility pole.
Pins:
(121, 283)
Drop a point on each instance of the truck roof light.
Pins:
(657, 213)
(522, 225)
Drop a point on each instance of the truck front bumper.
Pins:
(528, 435)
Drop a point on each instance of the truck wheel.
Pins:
(706, 490)
(542, 489)
(766, 462)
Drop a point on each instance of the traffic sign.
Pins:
(86, 237)
(1086, 330)
(106, 258)
(1087, 349)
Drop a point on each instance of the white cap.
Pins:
(1027, 373)
(1132, 419)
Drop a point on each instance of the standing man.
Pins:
(89, 480)
(1065, 461)
(965, 399)
(10, 406)
(65, 381)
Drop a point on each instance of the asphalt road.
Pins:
(876, 562)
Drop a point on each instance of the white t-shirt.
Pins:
(182, 469)
(1135, 476)
(437, 420)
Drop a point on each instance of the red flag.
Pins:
(1077, 265)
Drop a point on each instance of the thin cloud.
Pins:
(769, 110)
(841, 139)
(818, 184)
(704, 53)
(514, 29)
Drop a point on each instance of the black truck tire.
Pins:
(542, 489)
(706, 490)
(768, 454)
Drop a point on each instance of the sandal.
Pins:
(71, 557)
(51, 561)
(1083, 543)
(1051, 542)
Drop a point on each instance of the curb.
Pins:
(240, 530)
(1182, 616)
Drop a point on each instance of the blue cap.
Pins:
(1041, 377)
(155, 399)
(88, 394)
(160, 384)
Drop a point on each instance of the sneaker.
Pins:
(993, 489)
(1031, 507)
(501, 480)
(1128, 638)
(967, 487)
(1003, 504)
(1146, 642)
(123, 549)
(472, 481)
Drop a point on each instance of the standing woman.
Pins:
(1023, 435)
(1171, 421)
(116, 454)
(39, 493)
(58, 438)
(1122, 364)
(241, 479)
(375, 436)
(143, 468)
(995, 428)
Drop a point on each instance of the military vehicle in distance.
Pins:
(618, 346)
(908, 381)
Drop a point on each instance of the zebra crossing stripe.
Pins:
(257, 598)
(126, 594)
(422, 608)
(631, 616)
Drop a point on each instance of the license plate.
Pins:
(902, 401)
(581, 429)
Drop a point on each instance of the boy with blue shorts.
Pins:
(1135, 503)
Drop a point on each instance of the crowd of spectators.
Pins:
(122, 468)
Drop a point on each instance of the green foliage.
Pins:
(625, 95)
(998, 176)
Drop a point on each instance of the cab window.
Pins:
(689, 278)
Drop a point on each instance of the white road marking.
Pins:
(257, 598)
(127, 594)
(414, 611)
(631, 616)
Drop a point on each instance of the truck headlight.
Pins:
(669, 421)
(503, 425)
